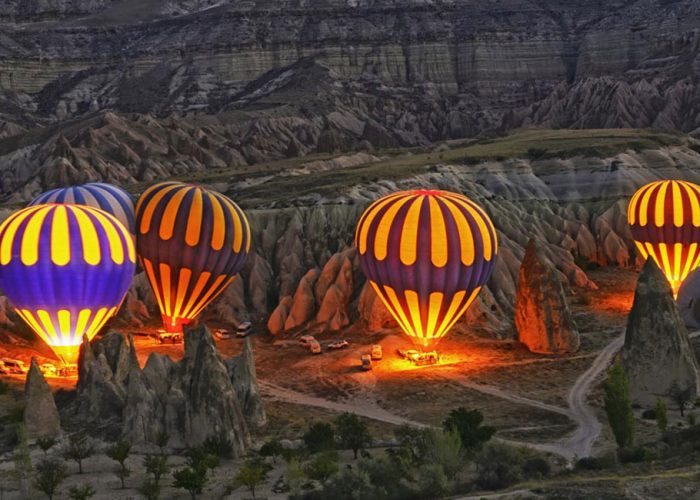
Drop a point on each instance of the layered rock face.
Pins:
(657, 354)
(542, 316)
(190, 400)
(41, 417)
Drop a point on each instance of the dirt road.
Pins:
(578, 444)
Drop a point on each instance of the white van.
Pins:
(244, 329)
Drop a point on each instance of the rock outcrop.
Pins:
(189, 400)
(542, 316)
(244, 378)
(657, 354)
(40, 413)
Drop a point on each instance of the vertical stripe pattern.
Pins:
(111, 199)
(66, 269)
(427, 254)
(664, 218)
(192, 242)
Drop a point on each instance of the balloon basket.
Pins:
(174, 325)
(67, 354)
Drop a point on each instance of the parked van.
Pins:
(377, 352)
(366, 360)
(221, 334)
(315, 347)
(305, 340)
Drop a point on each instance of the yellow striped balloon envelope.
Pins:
(191, 242)
(664, 217)
(427, 254)
(66, 269)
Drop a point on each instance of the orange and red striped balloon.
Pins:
(191, 242)
(664, 217)
(427, 254)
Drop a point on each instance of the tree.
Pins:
(81, 492)
(319, 437)
(681, 396)
(162, 438)
(353, 432)
(150, 490)
(46, 443)
(199, 458)
(661, 414)
(251, 474)
(295, 476)
(156, 466)
(50, 473)
(322, 466)
(272, 448)
(79, 448)
(191, 480)
(119, 452)
(618, 405)
(468, 423)
(444, 448)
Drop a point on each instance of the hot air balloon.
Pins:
(427, 254)
(664, 217)
(111, 199)
(66, 269)
(191, 242)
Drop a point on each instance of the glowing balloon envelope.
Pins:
(113, 200)
(191, 242)
(66, 269)
(427, 254)
(664, 217)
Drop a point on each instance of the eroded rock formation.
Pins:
(542, 316)
(190, 399)
(40, 413)
(657, 354)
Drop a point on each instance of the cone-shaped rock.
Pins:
(542, 315)
(245, 381)
(40, 413)
(657, 351)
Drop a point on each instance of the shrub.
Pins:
(597, 463)
(198, 458)
(250, 475)
(157, 466)
(433, 482)
(498, 466)
(319, 437)
(219, 446)
(350, 484)
(272, 448)
(150, 490)
(82, 492)
(536, 467)
(649, 414)
(661, 414)
(444, 448)
(636, 454)
(46, 443)
(191, 480)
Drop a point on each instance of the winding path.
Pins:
(578, 444)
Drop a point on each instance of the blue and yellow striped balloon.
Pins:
(191, 242)
(427, 254)
(66, 269)
(111, 199)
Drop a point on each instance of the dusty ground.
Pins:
(527, 397)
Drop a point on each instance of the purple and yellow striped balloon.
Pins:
(66, 269)
(191, 242)
(664, 217)
(427, 254)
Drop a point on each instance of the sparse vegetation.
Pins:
(498, 466)
(119, 452)
(353, 432)
(219, 446)
(272, 448)
(618, 406)
(322, 466)
(79, 448)
(50, 473)
(162, 438)
(82, 492)
(150, 490)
